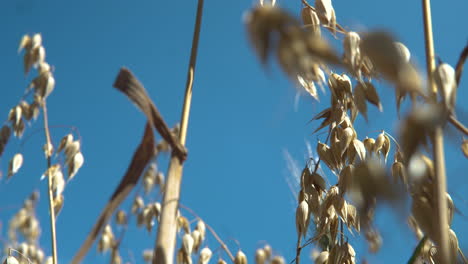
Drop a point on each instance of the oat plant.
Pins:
(67, 154)
(368, 175)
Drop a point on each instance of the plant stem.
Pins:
(438, 144)
(49, 177)
(166, 238)
(417, 250)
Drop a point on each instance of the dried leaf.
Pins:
(127, 83)
(140, 160)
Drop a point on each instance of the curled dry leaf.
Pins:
(15, 164)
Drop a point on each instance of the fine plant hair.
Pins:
(372, 170)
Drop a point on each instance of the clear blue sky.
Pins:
(242, 120)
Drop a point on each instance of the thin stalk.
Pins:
(220, 241)
(166, 238)
(438, 143)
(50, 191)
(417, 250)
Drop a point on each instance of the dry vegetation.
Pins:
(371, 171)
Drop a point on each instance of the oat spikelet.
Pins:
(240, 258)
(205, 256)
(15, 164)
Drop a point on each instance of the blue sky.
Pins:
(242, 120)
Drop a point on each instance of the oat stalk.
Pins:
(417, 250)
(438, 141)
(53, 232)
(166, 238)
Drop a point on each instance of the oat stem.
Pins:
(49, 177)
(166, 238)
(417, 250)
(438, 142)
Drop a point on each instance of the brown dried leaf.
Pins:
(141, 158)
(127, 83)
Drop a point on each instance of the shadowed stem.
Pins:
(50, 191)
(438, 143)
(166, 238)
